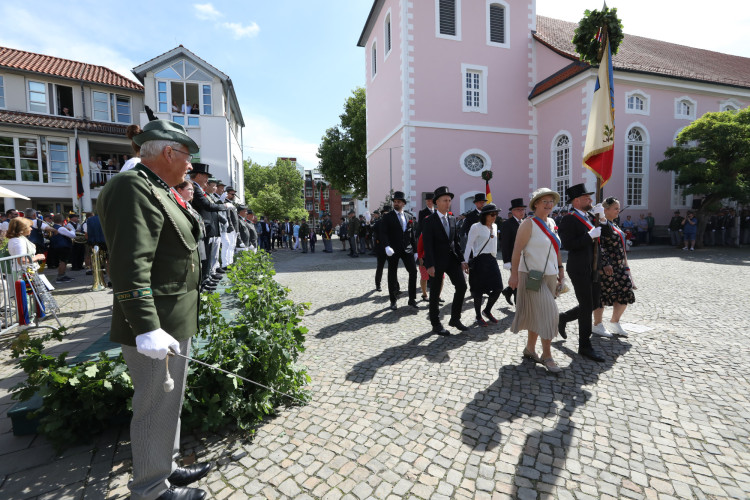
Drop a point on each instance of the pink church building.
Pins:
(456, 87)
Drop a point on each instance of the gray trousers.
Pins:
(155, 428)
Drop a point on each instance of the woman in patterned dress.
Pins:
(614, 273)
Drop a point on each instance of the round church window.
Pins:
(474, 163)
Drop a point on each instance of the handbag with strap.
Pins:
(472, 261)
(534, 281)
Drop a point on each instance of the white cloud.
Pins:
(266, 139)
(206, 12)
(240, 31)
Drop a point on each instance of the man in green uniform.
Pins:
(155, 271)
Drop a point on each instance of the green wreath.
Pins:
(587, 47)
(487, 175)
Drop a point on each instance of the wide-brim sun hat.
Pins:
(165, 130)
(489, 208)
(542, 192)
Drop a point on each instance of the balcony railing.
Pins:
(100, 178)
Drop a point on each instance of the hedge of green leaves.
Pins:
(262, 343)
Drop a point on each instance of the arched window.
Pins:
(374, 58)
(561, 165)
(387, 34)
(448, 19)
(684, 107)
(497, 23)
(636, 164)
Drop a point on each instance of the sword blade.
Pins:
(172, 353)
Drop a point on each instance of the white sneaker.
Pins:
(600, 330)
(617, 329)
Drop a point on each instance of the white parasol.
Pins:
(7, 193)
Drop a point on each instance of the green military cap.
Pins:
(165, 130)
(212, 180)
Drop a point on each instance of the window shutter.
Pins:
(388, 36)
(448, 17)
(497, 23)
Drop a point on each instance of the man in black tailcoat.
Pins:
(578, 233)
(442, 255)
(508, 239)
(425, 212)
(397, 232)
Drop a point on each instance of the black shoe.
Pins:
(182, 476)
(561, 328)
(481, 321)
(441, 300)
(508, 293)
(220, 270)
(89, 272)
(489, 316)
(398, 292)
(424, 298)
(591, 353)
(458, 325)
(378, 289)
(413, 303)
(225, 269)
(180, 493)
(440, 330)
(215, 277)
(393, 306)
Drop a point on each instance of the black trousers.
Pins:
(380, 254)
(587, 294)
(456, 275)
(206, 264)
(408, 259)
(76, 256)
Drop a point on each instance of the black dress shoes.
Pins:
(508, 293)
(413, 303)
(221, 270)
(440, 330)
(393, 306)
(561, 328)
(180, 493)
(441, 300)
(378, 289)
(458, 325)
(592, 354)
(182, 476)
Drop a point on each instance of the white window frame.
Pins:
(644, 175)
(679, 115)
(28, 97)
(48, 166)
(482, 70)
(478, 152)
(731, 102)
(387, 35)
(506, 28)
(2, 92)
(94, 100)
(554, 149)
(374, 60)
(643, 97)
(457, 36)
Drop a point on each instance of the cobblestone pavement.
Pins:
(400, 413)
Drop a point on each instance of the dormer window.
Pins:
(637, 103)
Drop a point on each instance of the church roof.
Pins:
(646, 55)
(20, 60)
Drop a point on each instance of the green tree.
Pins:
(343, 150)
(712, 160)
(274, 190)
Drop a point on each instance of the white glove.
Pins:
(156, 344)
(598, 210)
(596, 232)
(228, 205)
(507, 265)
(389, 251)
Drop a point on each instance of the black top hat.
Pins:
(489, 208)
(574, 192)
(480, 197)
(442, 191)
(399, 195)
(517, 203)
(199, 168)
(429, 196)
(386, 208)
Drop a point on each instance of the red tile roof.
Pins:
(567, 72)
(65, 68)
(646, 55)
(58, 122)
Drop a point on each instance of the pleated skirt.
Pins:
(536, 311)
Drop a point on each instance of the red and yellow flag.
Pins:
(79, 169)
(600, 136)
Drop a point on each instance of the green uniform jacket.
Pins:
(153, 262)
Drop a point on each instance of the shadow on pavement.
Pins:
(528, 390)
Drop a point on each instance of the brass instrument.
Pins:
(96, 267)
(80, 238)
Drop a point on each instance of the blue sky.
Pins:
(294, 62)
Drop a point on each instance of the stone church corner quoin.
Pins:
(456, 87)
